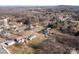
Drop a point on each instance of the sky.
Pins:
(38, 2)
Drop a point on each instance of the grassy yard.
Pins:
(20, 49)
(26, 49)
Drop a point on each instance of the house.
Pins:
(8, 43)
(11, 42)
(18, 40)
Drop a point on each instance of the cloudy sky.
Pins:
(39, 2)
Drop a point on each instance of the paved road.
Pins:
(2, 51)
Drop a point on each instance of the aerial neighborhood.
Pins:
(39, 30)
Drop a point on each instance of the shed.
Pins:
(31, 37)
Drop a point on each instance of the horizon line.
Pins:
(39, 5)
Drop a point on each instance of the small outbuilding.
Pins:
(31, 37)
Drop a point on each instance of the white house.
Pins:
(8, 43)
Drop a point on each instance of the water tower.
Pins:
(6, 22)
